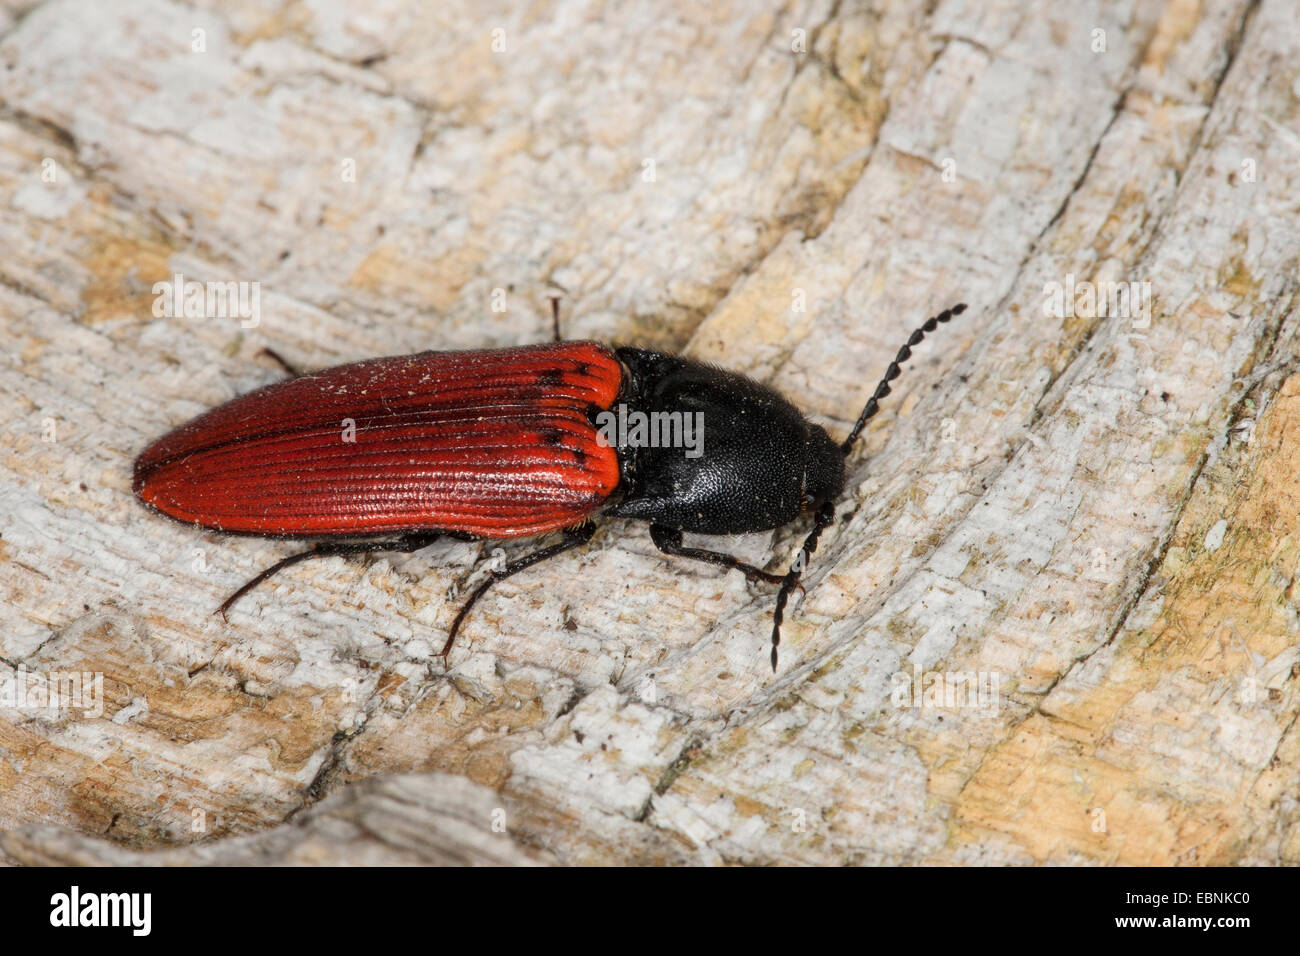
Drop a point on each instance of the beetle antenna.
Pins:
(891, 373)
(825, 515)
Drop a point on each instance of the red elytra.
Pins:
(494, 444)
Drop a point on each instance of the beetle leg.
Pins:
(555, 318)
(280, 361)
(573, 538)
(669, 541)
(406, 543)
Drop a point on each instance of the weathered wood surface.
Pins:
(1099, 513)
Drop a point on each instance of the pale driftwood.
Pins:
(1098, 512)
(430, 819)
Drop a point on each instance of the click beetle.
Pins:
(389, 454)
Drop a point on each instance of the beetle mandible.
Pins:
(501, 444)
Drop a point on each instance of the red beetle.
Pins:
(389, 454)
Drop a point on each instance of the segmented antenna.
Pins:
(826, 511)
(825, 515)
(892, 372)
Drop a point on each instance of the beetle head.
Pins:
(823, 469)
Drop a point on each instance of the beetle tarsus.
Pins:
(281, 361)
(407, 543)
(669, 541)
(555, 317)
(573, 538)
(253, 582)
